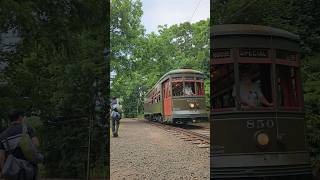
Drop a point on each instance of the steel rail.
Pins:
(191, 134)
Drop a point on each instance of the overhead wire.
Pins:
(195, 10)
(240, 10)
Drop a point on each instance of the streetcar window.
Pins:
(158, 96)
(200, 88)
(255, 88)
(177, 88)
(287, 86)
(222, 78)
(169, 92)
(166, 89)
(189, 89)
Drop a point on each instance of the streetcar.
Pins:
(177, 98)
(257, 111)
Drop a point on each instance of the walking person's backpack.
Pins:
(116, 111)
(28, 149)
(17, 169)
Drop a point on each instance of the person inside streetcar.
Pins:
(188, 90)
(250, 93)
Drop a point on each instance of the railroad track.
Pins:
(199, 137)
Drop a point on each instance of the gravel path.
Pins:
(203, 124)
(143, 151)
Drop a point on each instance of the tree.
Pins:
(57, 72)
(140, 59)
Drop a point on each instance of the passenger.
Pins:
(115, 116)
(177, 89)
(188, 90)
(10, 144)
(250, 93)
(113, 101)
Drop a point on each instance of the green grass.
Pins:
(140, 116)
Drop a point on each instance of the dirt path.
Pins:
(143, 151)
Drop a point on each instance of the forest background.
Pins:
(140, 59)
(53, 67)
(58, 74)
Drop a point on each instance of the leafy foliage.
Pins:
(140, 59)
(57, 72)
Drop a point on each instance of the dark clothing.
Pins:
(114, 101)
(115, 117)
(12, 133)
(115, 125)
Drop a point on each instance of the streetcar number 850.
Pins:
(259, 124)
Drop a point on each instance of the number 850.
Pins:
(259, 124)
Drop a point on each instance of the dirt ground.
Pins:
(143, 151)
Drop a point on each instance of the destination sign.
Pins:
(221, 53)
(286, 55)
(253, 53)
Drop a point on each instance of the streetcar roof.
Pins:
(250, 29)
(181, 71)
(176, 71)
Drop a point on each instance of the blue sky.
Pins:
(160, 12)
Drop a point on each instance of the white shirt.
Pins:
(188, 90)
(249, 93)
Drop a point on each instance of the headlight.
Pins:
(191, 105)
(262, 139)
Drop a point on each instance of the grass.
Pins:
(140, 116)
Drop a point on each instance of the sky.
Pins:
(160, 12)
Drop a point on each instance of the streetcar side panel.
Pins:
(153, 104)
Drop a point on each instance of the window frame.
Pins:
(195, 78)
(212, 83)
(298, 89)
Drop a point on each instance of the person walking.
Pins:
(10, 142)
(115, 116)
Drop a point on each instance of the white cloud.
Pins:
(160, 12)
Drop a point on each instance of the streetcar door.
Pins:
(167, 107)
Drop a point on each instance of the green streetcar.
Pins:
(177, 98)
